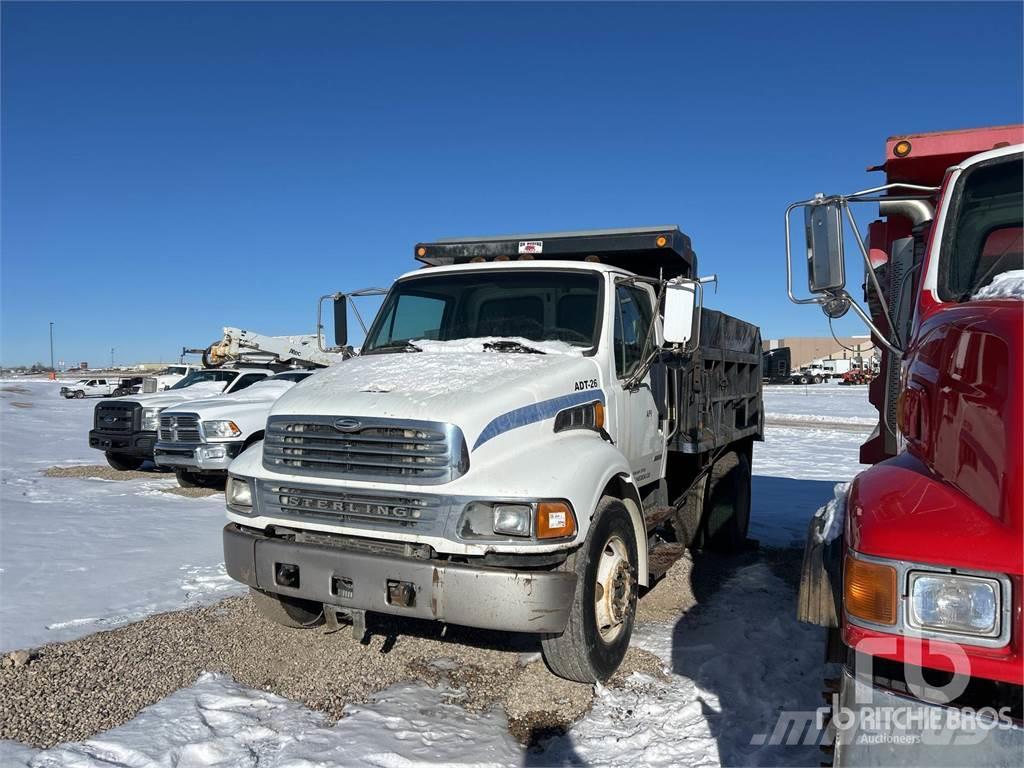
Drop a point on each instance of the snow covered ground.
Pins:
(733, 662)
(78, 555)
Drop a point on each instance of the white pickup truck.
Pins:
(167, 378)
(90, 388)
(125, 428)
(199, 439)
(521, 445)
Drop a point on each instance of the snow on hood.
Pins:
(266, 391)
(456, 381)
(173, 396)
(1008, 285)
(478, 345)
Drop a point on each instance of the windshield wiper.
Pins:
(503, 345)
(395, 346)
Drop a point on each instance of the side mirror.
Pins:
(825, 265)
(682, 311)
(340, 321)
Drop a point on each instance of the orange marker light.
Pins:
(661, 241)
(902, 148)
(554, 520)
(421, 251)
(869, 591)
(599, 415)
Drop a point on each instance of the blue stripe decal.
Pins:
(530, 414)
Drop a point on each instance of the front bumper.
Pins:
(473, 596)
(128, 443)
(877, 727)
(203, 457)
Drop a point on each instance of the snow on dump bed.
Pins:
(79, 555)
(1008, 285)
(442, 367)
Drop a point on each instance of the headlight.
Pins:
(238, 492)
(150, 419)
(221, 429)
(539, 520)
(513, 519)
(589, 416)
(941, 602)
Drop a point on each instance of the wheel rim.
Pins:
(613, 592)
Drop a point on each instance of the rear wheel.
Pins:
(817, 379)
(119, 392)
(287, 611)
(123, 462)
(727, 503)
(600, 624)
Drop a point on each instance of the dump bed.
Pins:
(714, 395)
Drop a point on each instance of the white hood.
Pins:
(170, 397)
(457, 382)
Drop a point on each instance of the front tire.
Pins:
(123, 462)
(600, 624)
(287, 611)
(79, 394)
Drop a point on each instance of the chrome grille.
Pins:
(115, 416)
(373, 511)
(387, 450)
(149, 385)
(179, 428)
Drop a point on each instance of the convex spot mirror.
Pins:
(681, 311)
(825, 266)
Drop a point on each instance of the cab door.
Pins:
(639, 433)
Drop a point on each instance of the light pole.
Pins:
(51, 346)
(112, 357)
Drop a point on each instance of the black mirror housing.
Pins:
(825, 262)
(340, 321)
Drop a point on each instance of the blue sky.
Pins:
(169, 169)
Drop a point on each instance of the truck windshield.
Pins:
(538, 305)
(985, 239)
(196, 376)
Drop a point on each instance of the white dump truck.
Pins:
(199, 439)
(537, 427)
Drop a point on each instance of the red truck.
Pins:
(917, 570)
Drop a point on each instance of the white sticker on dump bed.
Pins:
(531, 246)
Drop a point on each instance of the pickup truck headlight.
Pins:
(221, 429)
(238, 493)
(965, 605)
(150, 419)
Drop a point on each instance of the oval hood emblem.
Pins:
(347, 425)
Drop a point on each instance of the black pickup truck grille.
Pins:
(383, 450)
(116, 416)
(179, 428)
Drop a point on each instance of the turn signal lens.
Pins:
(421, 251)
(661, 241)
(902, 148)
(869, 591)
(555, 520)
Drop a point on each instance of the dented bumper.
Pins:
(455, 593)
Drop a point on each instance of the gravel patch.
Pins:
(18, 404)
(73, 691)
(192, 493)
(100, 472)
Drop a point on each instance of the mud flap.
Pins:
(820, 577)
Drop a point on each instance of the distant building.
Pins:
(805, 350)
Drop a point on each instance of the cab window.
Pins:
(633, 318)
(247, 380)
